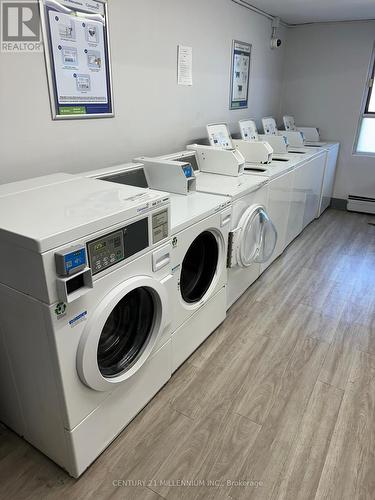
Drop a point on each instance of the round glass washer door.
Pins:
(125, 332)
(258, 237)
(122, 333)
(199, 267)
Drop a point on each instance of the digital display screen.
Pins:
(160, 226)
(106, 251)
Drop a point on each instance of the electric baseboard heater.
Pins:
(361, 204)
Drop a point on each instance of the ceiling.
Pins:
(310, 11)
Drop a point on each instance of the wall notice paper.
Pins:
(185, 65)
(78, 54)
(240, 75)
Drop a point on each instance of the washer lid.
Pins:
(52, 215)
(46, 180)
(278, 166)
(235, 187)
(186, 210)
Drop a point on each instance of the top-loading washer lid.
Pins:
(52, 215)
(28, 184)
(316, 144)
(275, 168)
(187, 210)
(235, 187)
(132, 177)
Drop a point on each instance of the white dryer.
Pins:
(200, 224)
(253, 237)
(85, 308)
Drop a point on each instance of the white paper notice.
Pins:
(185, 65)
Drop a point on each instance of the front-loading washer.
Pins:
(85, 308)
(200, 225)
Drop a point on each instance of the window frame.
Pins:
(370, 88)
(365, 113)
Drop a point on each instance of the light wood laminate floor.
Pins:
(278, 403)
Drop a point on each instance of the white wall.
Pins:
(326, 68)
(153, 114)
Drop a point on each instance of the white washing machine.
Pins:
(252, 237)
(294, 193)
(295, 182)
(200, 224)
(294, 138)
(85, 308)
(312, 140)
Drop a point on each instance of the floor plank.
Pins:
(215, 449)
(348, 471)
(300, 477)
(337, 365)
(275, 439)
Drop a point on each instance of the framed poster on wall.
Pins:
(77, 54)
(240, 75)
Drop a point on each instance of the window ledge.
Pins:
(358, 153)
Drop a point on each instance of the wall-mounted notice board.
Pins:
(240, 75)
(77, 53)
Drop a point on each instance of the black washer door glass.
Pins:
(199, 267)
(126, 332)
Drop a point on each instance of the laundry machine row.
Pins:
(120, 281)
(295, 175)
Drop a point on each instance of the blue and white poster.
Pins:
(241, 58)
(77, 57)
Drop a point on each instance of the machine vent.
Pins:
(361, 204)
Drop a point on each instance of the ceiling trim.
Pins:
(247, 5)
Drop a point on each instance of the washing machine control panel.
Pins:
(119, 245)
(106, 251)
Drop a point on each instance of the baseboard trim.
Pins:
(339, 203)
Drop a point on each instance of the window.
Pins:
(366, 132)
